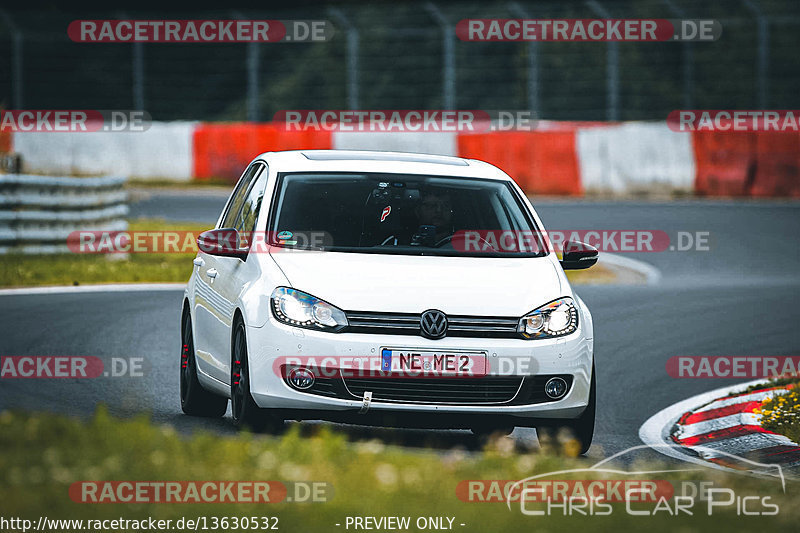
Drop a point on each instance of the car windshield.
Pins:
(402, 214)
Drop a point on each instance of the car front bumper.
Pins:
(571, 355)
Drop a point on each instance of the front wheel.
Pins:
(583, 427)
(246, 414)
(195, 400)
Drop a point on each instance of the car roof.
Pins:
(379, 161)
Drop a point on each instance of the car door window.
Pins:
(242, 190)
(245, 222)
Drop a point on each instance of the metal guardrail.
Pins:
(37, 213)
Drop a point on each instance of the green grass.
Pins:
(44, 454)
(79, 269)
(17, 270)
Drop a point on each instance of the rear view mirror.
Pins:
(577, 256)
(222, 242)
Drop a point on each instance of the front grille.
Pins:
(324, 387)
(484, 390)
(409, 324)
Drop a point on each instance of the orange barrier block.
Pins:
(6, 142)
(221, 151)
(725, 162)
(541, 162)
(777, 164)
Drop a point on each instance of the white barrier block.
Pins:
(163, 151)
(635, 156)
(424, 142)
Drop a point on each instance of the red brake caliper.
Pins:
(185, 356)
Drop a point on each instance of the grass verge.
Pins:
(43, 455)
(17, 270)
(80, 269)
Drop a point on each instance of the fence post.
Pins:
(449, 53)
(533, 64)
(138, 76)
(612, 67)
(351, 60)
(252, 81)
(688, 60)
(251, 64)
(762, 59)
(137, 71)
(16, 58)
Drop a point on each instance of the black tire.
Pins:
(582, 428)
(246, 414)
(195, 400)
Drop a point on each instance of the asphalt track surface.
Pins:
(738, 298)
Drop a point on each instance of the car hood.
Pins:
(411, 284)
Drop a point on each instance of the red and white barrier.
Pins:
(558, 158)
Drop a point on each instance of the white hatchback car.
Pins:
(385, 288)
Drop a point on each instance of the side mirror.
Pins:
(223, 242)
(577, 256)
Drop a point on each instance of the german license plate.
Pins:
(411, 361)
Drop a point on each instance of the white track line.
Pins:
(111, 287)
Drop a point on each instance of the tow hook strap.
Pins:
(366, 402)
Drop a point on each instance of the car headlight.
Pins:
(556, 319)
(302, 310)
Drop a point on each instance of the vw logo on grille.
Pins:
(433, 324)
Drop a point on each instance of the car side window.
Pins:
(240, 195)
(245, 222)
